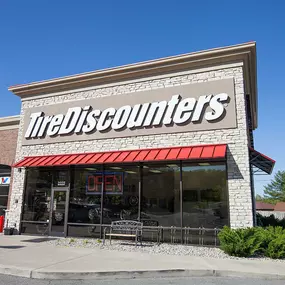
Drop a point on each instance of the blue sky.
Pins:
(48, 38)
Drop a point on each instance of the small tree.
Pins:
(275, 190)
(259, 198)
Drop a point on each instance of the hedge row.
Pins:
(248, 242)
(269, 221)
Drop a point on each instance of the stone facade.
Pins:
(238, 167)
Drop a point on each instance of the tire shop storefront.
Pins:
(167, 142)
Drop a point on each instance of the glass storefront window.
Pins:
(60, 178)
(205, 197)
(4, 193)
(5, 172)
(121, 193)
(37, 195)
(160, 195)
(85, 197)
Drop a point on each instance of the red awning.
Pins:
(159, 154)
(262, 162)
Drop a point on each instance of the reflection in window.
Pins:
(37, 195)
(4, 193)
(204, 196)
(5, 173)
(160, 195)
(85, 196)
(121, 194)
(205, 201)
(61, 178)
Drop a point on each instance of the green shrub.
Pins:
(276, 247)
(275, 232)
(246, 242)
(267, 235)
(240, 242)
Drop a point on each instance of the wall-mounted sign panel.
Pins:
(192, 107)
(4, 180)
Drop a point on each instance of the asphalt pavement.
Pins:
(12, 280)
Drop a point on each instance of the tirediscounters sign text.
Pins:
(113, 183)
(192, 107)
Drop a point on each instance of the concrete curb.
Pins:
(15, 271)
(122, 274)
(167, 273)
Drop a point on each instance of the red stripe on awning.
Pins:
(94, 159)
(152, 154)
(141, 156)
(207, 152)
(40, 161)
(162, 154)
(46, 161)
(33, 161)
(131, 156)
(87, 158)
(220, 151)
(69, 161)
(61, 160)
(112, 157)
(122, 156)
(196, 152)
(104, 157)
(78, 159)
(172, 155)
(24, 161)
(158, 154)
(184, 153)
(55, 159)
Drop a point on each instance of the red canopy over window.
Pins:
(159, 154)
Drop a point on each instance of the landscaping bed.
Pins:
(235, 244)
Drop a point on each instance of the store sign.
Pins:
(4, 180)
(184, 108)
(113, 183)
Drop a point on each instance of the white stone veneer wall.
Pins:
(237, 139)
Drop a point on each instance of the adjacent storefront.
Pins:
(167, 142)
(8, 143)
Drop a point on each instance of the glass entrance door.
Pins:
(58, 213)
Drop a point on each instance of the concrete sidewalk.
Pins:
(20, 256)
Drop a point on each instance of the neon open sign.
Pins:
(113, 183)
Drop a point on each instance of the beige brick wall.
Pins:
(237, 139)
(8, 145)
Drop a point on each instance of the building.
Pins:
(280, 206)
(8, 143)
(276, 211)
(261, 206)
(168, 142)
